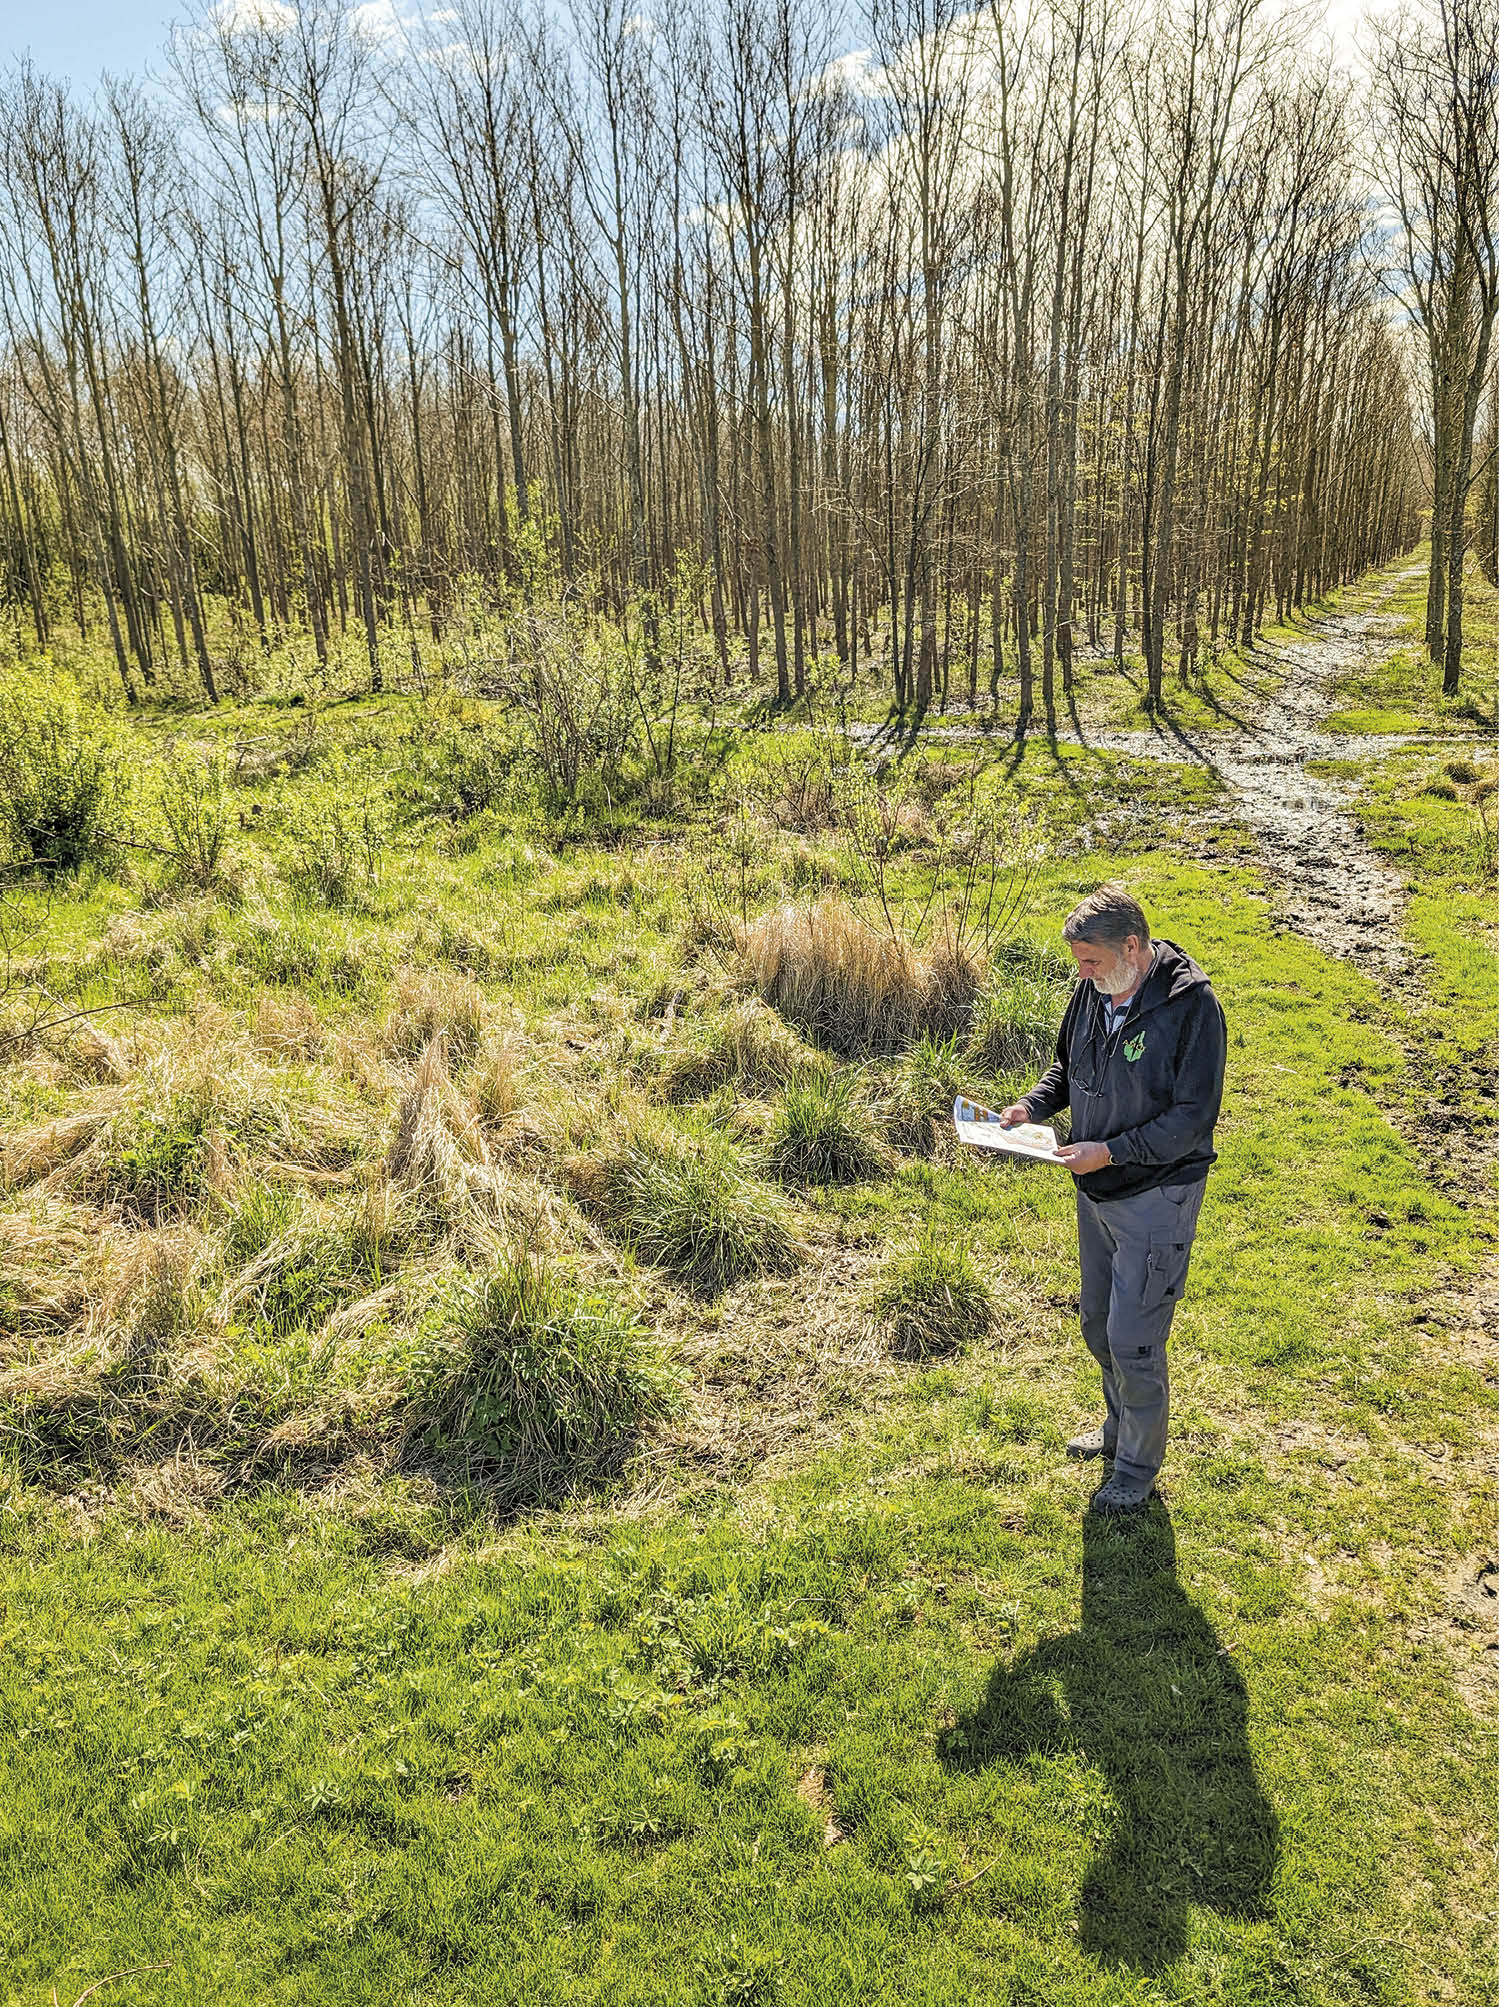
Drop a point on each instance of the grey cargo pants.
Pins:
(1134, 1253)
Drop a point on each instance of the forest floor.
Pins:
(834, 1691)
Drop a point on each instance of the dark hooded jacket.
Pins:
(1152, 1091)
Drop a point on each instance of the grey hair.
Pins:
(1107, 918)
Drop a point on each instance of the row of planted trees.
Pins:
(1028, 329)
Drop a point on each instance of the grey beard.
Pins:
(1123, 978)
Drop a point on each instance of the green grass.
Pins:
(934, 1301)
(537, 1384)
(690, 1205)
(1403, 693)
(820, 1135)
(833, 1692)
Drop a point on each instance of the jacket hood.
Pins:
(1174, 974)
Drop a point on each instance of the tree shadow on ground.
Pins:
(1145, 1690)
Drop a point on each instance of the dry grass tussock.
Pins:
(123, 1334)
(182, 1126)
(428, 1004)
(445, 1177)
(287, 1027)
(87, 1053)
(113, 1317)
(746, 1046)
(850, 987)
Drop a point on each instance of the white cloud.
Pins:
(247, 17)
(377, 20)
(855, 72)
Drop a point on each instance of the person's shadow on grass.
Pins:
(1145, 1691)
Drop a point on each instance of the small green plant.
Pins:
(158, 1156)
(61, 782)
(540, 1386)
(935, 1300)
(926, 1876)
(337, 850)
(296, 1281)
(689, 1206)
(736, 1976)
(820, 1135)
(194, 805)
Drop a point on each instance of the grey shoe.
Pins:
(1091, 1444)
(1121, 1494)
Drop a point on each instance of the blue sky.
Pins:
(78, 38)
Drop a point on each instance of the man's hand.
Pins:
(1080, 1158)
(1016, 1112)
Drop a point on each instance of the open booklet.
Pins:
(981, 1126)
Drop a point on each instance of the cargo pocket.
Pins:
(1166, 1270)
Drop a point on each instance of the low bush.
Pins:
(820, 1135)
(61, 779)
(934, 1301)
(851, 987)
(689, 1206)
(457, 773)
(538, 1384)
(336, 851)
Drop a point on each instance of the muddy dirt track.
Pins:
(1330, 885)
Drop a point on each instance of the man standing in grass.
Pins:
(1140, 1061)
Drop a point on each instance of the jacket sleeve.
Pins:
(1053, 1091)
(1188, 1123)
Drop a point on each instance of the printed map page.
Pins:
(981, 1126)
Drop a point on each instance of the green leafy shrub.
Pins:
(689, 1206)
(61, 779)
(337, 843)
(934, 1300)
(820, 1136)
(540, 1385)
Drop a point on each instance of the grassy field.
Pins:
(529, 1471)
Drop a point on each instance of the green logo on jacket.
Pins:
(1133, 1047)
